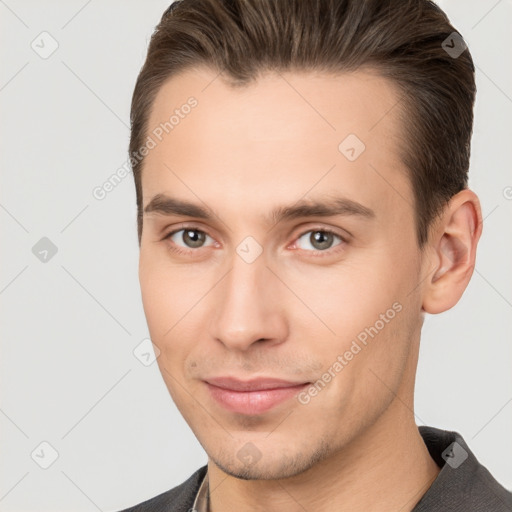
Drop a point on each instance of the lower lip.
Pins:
(253, 402)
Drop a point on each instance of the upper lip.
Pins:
(261, 383)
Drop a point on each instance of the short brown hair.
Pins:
(401, 39)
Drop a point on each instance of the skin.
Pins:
(290, 313)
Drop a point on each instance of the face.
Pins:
(279, 266)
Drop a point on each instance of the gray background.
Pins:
(69, 325)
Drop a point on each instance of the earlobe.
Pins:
(454, 242)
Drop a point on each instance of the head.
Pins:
(301, 179)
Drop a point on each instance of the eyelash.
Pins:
(317, 253)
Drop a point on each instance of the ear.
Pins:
(452, 249)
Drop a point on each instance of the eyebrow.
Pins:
(329, 207)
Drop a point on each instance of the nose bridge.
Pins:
(246, 303)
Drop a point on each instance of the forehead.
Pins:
(283, 135)
(279, 106)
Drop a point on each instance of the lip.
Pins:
(254, 396)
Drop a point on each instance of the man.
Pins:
(301, 177)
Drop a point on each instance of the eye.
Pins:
(320, 239)
(188, 239)
(191, 237)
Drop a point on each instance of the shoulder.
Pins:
(177, 499)
(463, 485)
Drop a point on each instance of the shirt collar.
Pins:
(202, 501)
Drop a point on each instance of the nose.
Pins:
(249, 306)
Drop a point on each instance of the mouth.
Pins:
(254, 396)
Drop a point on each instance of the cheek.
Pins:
(164, 291)
(345, 299)
(380, 330)
(364, 314)
(155, 300)
(164, 308)
(173, 299)
(159, 299)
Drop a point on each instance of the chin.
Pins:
(276, 466)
